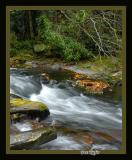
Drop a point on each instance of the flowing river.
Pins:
(79, 118)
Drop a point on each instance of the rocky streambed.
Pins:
(84, 111)
(28, 127)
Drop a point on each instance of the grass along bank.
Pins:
(108, 67)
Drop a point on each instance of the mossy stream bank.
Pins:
(97, 71)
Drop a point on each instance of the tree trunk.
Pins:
(30, 25)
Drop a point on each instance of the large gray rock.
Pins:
(29, 139)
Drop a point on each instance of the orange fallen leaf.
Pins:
(92, 85)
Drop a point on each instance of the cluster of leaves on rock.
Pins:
(72, 34)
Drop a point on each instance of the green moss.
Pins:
(18, 102)
(108, 66)
(24, 55)
(21, 57)
(42, 106)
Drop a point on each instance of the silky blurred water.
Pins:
(70, 108)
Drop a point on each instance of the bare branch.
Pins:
(114, 30)
(87, 33)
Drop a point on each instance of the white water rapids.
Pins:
(71, 109)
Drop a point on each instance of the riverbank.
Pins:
(108, 69)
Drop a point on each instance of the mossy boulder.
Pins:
(38, 48)
(29, 139)
(30, 108)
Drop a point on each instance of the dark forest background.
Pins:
(71, 35)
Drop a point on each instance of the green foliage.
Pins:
(69, 48)
(16, 45)
(38, 48)
(72, 34)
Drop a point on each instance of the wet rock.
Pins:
(92, 86)
(29, 139)
(85, 137)
(117, 74)
(61, 85)
(30, 64)
(12, 96)
(52, 82)
(44, 78)
(56, 67)
(86, 72)
(13, 130)
(32, 109)
(16, 117)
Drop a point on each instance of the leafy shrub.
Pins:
(16, 46)
(69, 48)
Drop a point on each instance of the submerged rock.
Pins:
(52, 82)
(20, 107)
(29, 139)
